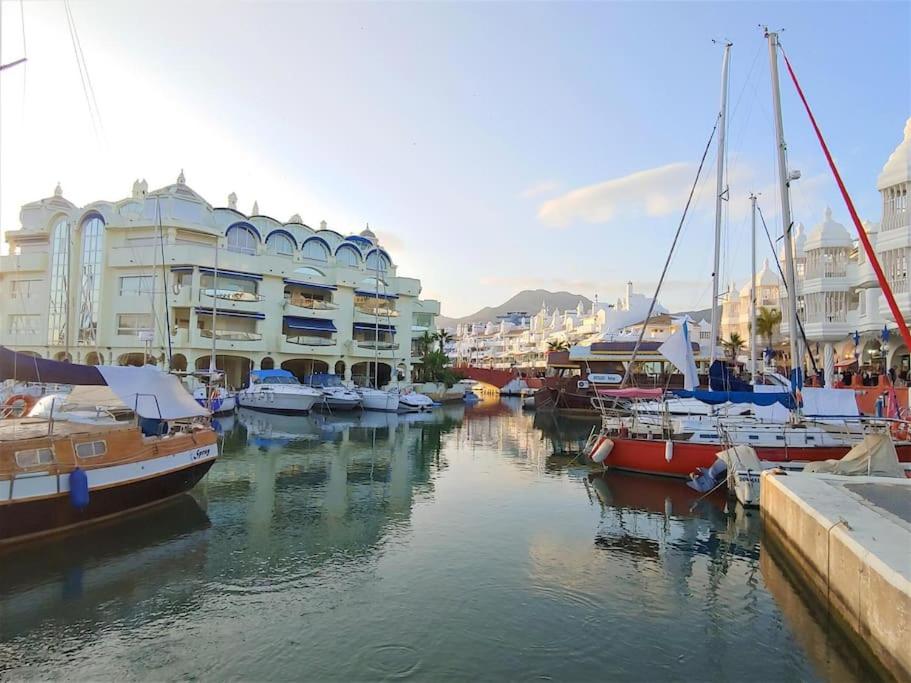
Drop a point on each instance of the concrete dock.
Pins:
(850, 537)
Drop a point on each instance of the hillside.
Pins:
(528, 300)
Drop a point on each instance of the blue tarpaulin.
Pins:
(718, 397)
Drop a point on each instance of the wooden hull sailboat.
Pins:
(75, 467)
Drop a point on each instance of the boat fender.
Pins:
(668, 450)
(79, 489)
(602, 448)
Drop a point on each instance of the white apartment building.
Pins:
(524, 343)
(134, 281)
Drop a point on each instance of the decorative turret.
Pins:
(296, 218)
(894, 182)
(255, 208)
(369, 234)
(58, 191)
(232, 201)
(323, 225)
(181, 179)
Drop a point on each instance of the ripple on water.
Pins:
(390, 661)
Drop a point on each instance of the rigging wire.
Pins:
(670, 255)
(88, 90)
(784, 281)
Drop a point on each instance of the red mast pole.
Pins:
(868, 248)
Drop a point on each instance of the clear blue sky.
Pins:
(462, 132)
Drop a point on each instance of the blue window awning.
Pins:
(371, 327)
(230, 273)
(375, 295)
(302, 283)
(311, 324)
(201, 310)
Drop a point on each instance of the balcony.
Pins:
(20, 263)
(306, 304)
(228, 340)
(310, 340)
(379, 311)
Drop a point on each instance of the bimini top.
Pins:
(760, 399)
(148, 391)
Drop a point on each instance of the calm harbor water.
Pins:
(441, 546)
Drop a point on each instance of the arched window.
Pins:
(279, 243)
(92, 274)
(348, 256)
(377, 262)
(242, 239)
(60, 258)
(315, 249)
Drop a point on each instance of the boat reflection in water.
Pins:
(98, 574)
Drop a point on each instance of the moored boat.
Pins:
(57, 473)
(277, 391)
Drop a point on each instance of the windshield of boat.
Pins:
(279, 380)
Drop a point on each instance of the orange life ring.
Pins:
(900, 431)
(19, 405)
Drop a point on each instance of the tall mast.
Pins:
(753, 375)
(214, 314)
(720, 192)
(783, 181)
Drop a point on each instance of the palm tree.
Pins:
(425, 342)
(734, 344)
(443, 337)
(767, 319)
(557, 345)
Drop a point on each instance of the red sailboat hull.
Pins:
(648, 456)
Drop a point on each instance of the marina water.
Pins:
(446, 545)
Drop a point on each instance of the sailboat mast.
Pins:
(214, 313)
(720, 191)
(753, 374)
(796, 357)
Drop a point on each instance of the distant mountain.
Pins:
(528, 300)
(704, 314)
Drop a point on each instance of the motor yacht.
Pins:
(277, 391)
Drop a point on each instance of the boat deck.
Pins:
(19, 429)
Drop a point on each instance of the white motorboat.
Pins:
(336, 396)
(219, 400)
(376, 399)
(414, 402)
(277, 391)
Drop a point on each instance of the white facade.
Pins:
(110, 281)
(525, 344)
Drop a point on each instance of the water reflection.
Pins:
(463, 543)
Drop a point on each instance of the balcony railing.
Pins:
(311, 303)
(309, 340)
(232, 295)
(378, 311)
(232, 335)
(378, 345)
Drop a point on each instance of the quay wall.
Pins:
(856, 558)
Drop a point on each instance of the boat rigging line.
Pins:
(87, 89)
(667, 262)
(862, 234)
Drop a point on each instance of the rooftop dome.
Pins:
(764, 278)
(898, 166)
(828, 234)
(368, 233)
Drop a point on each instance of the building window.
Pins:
(279, 243)
(377, 262)
(131, 324)
(242, 239)
(348, 256)
(35, 457)
(60, 263)
(23, 289)
(24, 323)
(90, 282)
(137, 285)
(91, 449)
(315, 249)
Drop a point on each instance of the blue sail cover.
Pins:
(722, 379)
(718, 397)
(25, 368)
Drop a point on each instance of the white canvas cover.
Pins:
(150, 392)
(678, 350)
(874, 456)
(774, 413)
(740, 458)
(822, 401)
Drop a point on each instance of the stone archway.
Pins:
(301, 367)
(94, 358)
(179, 362)
(340, 368)
(236, 368)
(63, 356)
(900, 361)
(136, 359)
(267, 363)
(370, 373)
